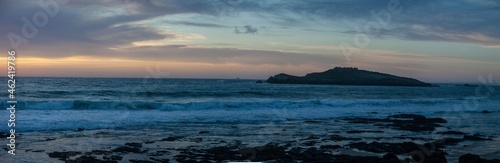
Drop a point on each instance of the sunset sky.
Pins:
(433, 41)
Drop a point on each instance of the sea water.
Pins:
(58, 104)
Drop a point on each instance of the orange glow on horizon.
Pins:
(114, 67)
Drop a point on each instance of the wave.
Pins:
(145, 94)
(207, 105)
(69, 115)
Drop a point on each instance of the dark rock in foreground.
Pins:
(128, 150)
(347, 76)
(63, 155)
(407, 122)
(472, 158)
(435, 157)
(89, 159)
(451, 133)
(4, 135)
(139, 145)
(172, 138)
(363, 131)
(397, 148)
(278, 153)
(341, 138)
(141, 161)
(475, 137)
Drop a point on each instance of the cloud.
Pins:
(248, 29)
(231, 55)
(125, 34)
(197, 24)
(94, 28)
(79, 17)
(469, 21)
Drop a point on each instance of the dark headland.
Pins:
(347, 76)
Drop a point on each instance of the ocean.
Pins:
(53, 104)
(190, 119)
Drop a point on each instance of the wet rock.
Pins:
(100, 152)
(355, 159)
(341, 138)
(390, 158)
(80, 129)
(330, 147)
(397, 148)
(138, 145)
(363, 131)
(89, 159)
(475, 137)
(172, 138)
(311, 137)
(469, 158)
(415, 123)
(411, 138)
(408, 116)
(219, 154)
(222, 153)
(451, 133)
(50, 139)
(112, 157)
(435, 157)
(415, 150)
(196, 140)
(313, 121)
(449, 141)
(128, 150)
(472, 158)
(271, 151)
(160, 160)
(63, 155)
(407, 122)
(309, 143)
(486, 111)
(141, 161)
(4, 135)
(160, 153)
(314, 155)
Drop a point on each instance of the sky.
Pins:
(433, 41)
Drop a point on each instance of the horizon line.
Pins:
(200, 78)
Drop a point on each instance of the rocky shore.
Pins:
(395, 138)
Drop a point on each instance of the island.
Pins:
(347, 76)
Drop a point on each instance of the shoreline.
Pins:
(403, 136)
